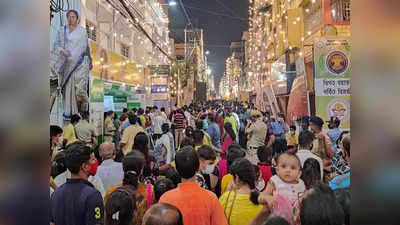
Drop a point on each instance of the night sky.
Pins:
(218, 30)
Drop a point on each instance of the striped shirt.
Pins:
(179, 120)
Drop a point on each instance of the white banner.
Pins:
(332, 87)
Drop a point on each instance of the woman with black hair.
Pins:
(234, 152)
(238, 207)
(120, 207)
(311, 173)
(133, 165)
(141, 144)
(229, 137)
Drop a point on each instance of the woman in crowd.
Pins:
(230, 136)
(141, 198)
(141, 144)
(238, 207)
(311, 173)
(234, 152)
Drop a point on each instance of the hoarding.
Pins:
(332, 68)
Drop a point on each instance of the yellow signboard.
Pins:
(111, 66)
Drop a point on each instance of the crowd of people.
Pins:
(209, 163)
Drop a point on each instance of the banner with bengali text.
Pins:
(332, 68)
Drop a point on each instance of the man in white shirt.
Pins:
(188, 116)
(110, 172)
(158, 121)
(306, 139)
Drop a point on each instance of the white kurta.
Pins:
(76, 88)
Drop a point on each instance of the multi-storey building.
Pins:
(281, 39)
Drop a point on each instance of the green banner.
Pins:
(97, 91)
(132, 105)
(160, 70)
(332, 79)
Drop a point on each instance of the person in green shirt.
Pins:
(230, 119)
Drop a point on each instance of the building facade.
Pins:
(280, 44)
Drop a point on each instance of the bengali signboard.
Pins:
(332, 79)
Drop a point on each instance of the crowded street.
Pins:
(209, 112)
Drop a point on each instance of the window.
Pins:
(340, 10)
(124, 50)
(91, 30)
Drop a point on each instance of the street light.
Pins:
(207, 52)
(208, 71)
(172, 3)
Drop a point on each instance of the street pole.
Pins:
(179, 88)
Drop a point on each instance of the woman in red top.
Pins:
(265, 154)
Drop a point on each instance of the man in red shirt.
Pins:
(198, 206)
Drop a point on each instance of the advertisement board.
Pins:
(96, 105)
(332, 68)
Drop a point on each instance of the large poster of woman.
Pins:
(72, 65)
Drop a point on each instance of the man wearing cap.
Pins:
(110, 172)
(256, 129)
(334, 131)
(322, 145)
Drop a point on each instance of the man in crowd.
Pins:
(334, 131)
(306, 139)
(207, 167)
(77, 201)
(109, 128)
(110, 172)
(128, 137)
(292, 139)
(157, 123)
(93, 178)
(256, 129)
(85, 131)
(198, 206)
(213, 131)
(322, 145)
(163, 114)
(162, 214)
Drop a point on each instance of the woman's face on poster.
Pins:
(72, 18)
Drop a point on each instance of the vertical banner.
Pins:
(332, 79)
(97, 104)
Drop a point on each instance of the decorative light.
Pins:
(333, 12)
(312, 1)
(308, 32)
(307, 10)
(300, 53)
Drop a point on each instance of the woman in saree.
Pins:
(72, 63)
